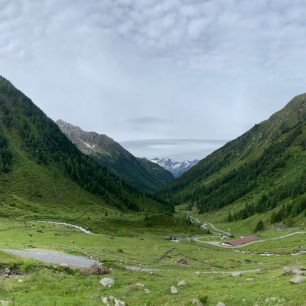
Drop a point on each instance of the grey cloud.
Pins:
(179, 149)
(205, 68)
(149, 120)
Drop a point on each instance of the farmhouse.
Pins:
(241, 241)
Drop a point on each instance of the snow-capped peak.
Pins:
(175, 167)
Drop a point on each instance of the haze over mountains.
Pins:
(140, 173)
(177, 149)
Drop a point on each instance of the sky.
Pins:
(174, 77)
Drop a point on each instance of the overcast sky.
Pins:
(171, 77)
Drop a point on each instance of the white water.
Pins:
(81, 229)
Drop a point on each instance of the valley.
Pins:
(230, 231)
(152, 153)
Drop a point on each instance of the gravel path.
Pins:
(213, 228)
(142, 269)
(53, 257)
(218, 230)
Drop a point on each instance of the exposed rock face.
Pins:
(182, 283)
(297, 279)
(110, 300)
(236, 274)
(175, 167)
(107, 282)
(140, 286)
(293, 271)
(119, 303)
(197, 302)
(173, 290)
(298, 274)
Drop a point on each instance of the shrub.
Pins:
(259, 227)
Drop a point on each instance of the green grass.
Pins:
(144, 247)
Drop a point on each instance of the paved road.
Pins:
(53, 257)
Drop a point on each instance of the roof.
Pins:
(242, 240)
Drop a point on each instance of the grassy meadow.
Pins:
(121, 244)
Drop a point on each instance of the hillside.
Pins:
(262, 171)
(142, 174)
(43, 174)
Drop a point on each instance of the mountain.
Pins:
(175, 167)
(263, 171)
(142, 174)
(43, 174)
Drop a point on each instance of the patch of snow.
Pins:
(87, 144)
(175, 167)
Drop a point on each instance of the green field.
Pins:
(207, 273)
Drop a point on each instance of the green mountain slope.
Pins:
(43, 173)
(160, 175)
(263, 170)
(142, 174)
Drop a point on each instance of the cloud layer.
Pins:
(149, 69)
(178, 149)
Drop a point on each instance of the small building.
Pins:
(241, 241)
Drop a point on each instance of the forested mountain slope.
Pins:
(263, 170)
(41, 169)
(140, 173)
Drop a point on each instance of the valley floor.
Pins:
(233, 276)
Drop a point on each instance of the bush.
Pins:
(203, 299)
(259, 227)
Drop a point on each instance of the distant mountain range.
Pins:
(175, 167)
(140, 173)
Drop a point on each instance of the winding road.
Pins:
(215, 230)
